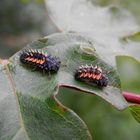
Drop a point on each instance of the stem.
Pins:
(131, 97)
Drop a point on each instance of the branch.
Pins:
(131, 97)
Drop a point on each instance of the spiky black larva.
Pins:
(91, 74)
(39, 60)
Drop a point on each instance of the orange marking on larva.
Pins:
(29, 59)
(38, 61)
(82, 75)
(34, 60)
(42, 61)
(86, 74)
(93, 76)
(98, 76)
(26, 58)
(90, 76)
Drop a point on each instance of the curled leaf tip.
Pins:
(87, 49)
(4, 61)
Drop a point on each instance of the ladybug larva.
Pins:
(91, 74)
(39, 60)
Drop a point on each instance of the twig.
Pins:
(132, 97)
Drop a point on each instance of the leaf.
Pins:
(135, 110)
(47, 119)
(129, 70)
(74, 54)
(133, 37)
(28, 108)
(106, 25)
(9, 119)
(31, 95)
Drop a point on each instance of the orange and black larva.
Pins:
(39, 60)
(91, 74)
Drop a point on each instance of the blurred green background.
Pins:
(23, 21)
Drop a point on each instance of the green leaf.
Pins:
(23, 116)
(135, 110)
(47, 119)
(106, 22)
(28, 108)
(133, 37)
(129, 70)
(29, 96)
(76, 52)
(73, 50)
(9, 119)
